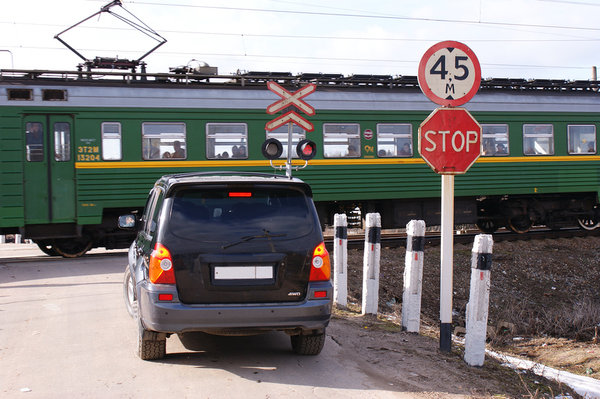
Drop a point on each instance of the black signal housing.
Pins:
(272, 149)
(306, 149)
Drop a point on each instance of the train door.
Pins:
(49, 169)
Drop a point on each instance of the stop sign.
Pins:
(450, 140)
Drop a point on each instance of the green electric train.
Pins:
(78, 149)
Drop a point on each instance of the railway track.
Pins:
(398, 239)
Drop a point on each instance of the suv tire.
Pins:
(151, 345)
(308, 344)
(129, 293)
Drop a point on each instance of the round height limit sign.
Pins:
(449, 73)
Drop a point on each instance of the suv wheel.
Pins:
(129, 293)
(308, 344)
(151, 345)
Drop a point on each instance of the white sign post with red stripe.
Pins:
(291, 117)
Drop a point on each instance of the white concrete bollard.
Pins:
(18, 239)
(370, 293)
(2, 239)
(413, 276)
(340, 260)
(479, 296)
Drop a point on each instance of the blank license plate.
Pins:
(243, 272)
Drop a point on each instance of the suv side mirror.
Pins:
(127, 222)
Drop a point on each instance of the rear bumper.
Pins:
(176, 317)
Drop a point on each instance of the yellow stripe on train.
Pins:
(329, 162)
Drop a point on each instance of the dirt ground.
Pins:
(544, 305)
(412, 362)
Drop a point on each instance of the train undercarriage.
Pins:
(518, 213)
(70, 240)
(515, 212)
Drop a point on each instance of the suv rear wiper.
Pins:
(266, 234)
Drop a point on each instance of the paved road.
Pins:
(64, 332)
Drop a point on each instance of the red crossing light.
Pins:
(306, 149)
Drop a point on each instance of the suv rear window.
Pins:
(225, 214)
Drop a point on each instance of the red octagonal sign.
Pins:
(450, 140)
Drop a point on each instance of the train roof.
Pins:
(183, 78)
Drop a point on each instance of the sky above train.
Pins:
(532, 39)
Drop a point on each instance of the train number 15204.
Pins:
(88, 153)
(88, 157)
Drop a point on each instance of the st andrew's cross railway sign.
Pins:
(450, 140)
(289, 117)
(289, 99)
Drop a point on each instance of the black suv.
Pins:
(228, 254)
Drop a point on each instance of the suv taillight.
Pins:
(161, 266)
(320, 268)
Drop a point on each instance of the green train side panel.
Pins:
(122, 188)
(11, 172)
(100, 189)
(529, 178)
(119, 188)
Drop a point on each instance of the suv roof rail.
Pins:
(224, 173)
(170, 181)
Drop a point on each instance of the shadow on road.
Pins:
(29, 268)
(268, 358)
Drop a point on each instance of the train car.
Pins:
(77, 149)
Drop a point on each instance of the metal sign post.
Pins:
(450, 142)
(288, 165)
(446, 262)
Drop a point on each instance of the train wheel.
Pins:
(47, 248)
(588, 223)
(519, 224)
(487, 225)
(73, 247)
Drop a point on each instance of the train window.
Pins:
(341, 140)
(19, 94)
(538, 139)
(54, 95)
(582, 139)
(111, 141)
(281, 134)
(62, 142)
(34, 142)
(226, 141)
(495, 140)
(163, 140)
(394, 140)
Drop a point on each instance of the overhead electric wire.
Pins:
(290, 57)
(348, 15)
(352, 14)
(578, 3)
(316, 37)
